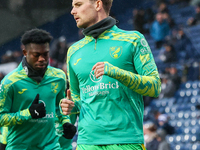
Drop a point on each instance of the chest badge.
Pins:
(116, 52)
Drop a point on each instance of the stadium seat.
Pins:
(195, 84)
(174, 108)
(195, 146)
(195, 114)
(187, 123)
(186, 114)
(179, 146)
(193, 122)
(187, 130)
(187, 85)
(195, 99)
(180, 115)
(171, 101)
(173, 123)
(171, 139)
(187, 138)
(178, 139)
(180, 123)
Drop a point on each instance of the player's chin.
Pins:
(40, 67)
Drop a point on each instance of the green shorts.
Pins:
(112, 147)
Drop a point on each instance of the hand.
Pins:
(67, 104)
(69, 130)
(37, 110)
(98, 69)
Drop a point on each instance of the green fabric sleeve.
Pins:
(146, 82)
(62, 118)
(74, 88)
(4, 134)
(8, 118)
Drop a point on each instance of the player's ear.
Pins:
(24, 50)
(99, 5)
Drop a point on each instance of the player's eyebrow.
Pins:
(76, 4)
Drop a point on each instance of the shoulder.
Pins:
(118, 34)
(79, 44)
(55, 72)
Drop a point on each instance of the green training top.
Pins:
(17, 92)
(111, 106)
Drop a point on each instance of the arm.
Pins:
(62, 118)
(69, 130)
(74, 88)
(4, 133)
(146, 82)
(72, 104)
(8, 118)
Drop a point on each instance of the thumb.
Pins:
(36, 100)
(69, 94)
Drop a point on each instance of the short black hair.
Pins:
(37, 36)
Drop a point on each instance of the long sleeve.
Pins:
(146, 82)
(4, 134)
(8, 118)
(74, 88)
(62, 118)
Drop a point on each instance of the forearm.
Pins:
(61, 117)
(10, 119)
(144, 85)
(77, 101)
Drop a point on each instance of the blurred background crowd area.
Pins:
(172, 29)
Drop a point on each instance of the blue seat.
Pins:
(173, 123)
(188, 85)
(164, 103)
(171, 101)
(180, 123)
(188, 92)
(187, 123)
(172, 116)
(195, 100)
(74, 144)
(182, 93)
(180, 115)
(195, 92)
(171, 138)
(167, 109)
(195, 130)
(186, 114)
(195, 146)
(157, 103)
(161, 110)
(178, 139)
(179, 146)
(187, 130)
(195, 84)
(190, 107)
(194, 122)
(187, 138)
(188, 146)
(194, 114)
(174, 108)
